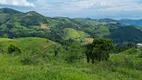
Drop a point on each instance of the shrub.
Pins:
(74, 53)
(26, 61)
(30, 60)
(47, 41)
(1, 50)
(12, 48)
(5, 36)
(139, 56)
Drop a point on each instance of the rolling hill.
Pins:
(35, 47)
(32, 24)
(27, 44)
(128, 34)
(131, 22)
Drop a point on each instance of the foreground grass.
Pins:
(122, 66)
(12, 69)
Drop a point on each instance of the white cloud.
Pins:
(17, 3)
(81, 5)
(89, 8)
(82, 8)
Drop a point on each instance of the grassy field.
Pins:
(26, 44)
(123, 66)
(71, 33)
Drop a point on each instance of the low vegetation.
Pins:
(35, 47)
(66, 62)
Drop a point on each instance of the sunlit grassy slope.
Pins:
(26, 43)
(122, 66)
(70, 33)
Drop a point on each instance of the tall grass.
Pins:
(34, 66)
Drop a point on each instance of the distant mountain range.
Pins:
(32, 24)
(124, 21)
(131, 22)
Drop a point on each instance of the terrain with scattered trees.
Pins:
(35, 47)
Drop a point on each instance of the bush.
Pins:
(26, 61)
(74, 53)
(139, 56)
(47, 41)
(1, 51)
(30, 60)
(5, 36)
(12, 48)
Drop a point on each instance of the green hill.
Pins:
(9, 11)
(70, 33)
(128, 33)
(32, 44)
(102, 31)
(32, 24)
(45, 48)
(131, 22)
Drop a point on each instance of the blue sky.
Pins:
(116, 9)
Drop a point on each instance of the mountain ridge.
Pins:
(33, 24)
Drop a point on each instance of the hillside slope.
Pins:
(27, 45)
(131, 22)
(128, 34)
(125, 65)
(17, 24)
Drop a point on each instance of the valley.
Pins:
(36, 47)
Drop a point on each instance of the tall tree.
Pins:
(99, 49)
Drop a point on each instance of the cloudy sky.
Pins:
(115, 9)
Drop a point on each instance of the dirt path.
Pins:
(45, 49)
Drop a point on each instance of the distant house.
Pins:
(139, 45)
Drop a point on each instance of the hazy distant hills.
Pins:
(124, 21)
(131, 22)
(32, 24)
